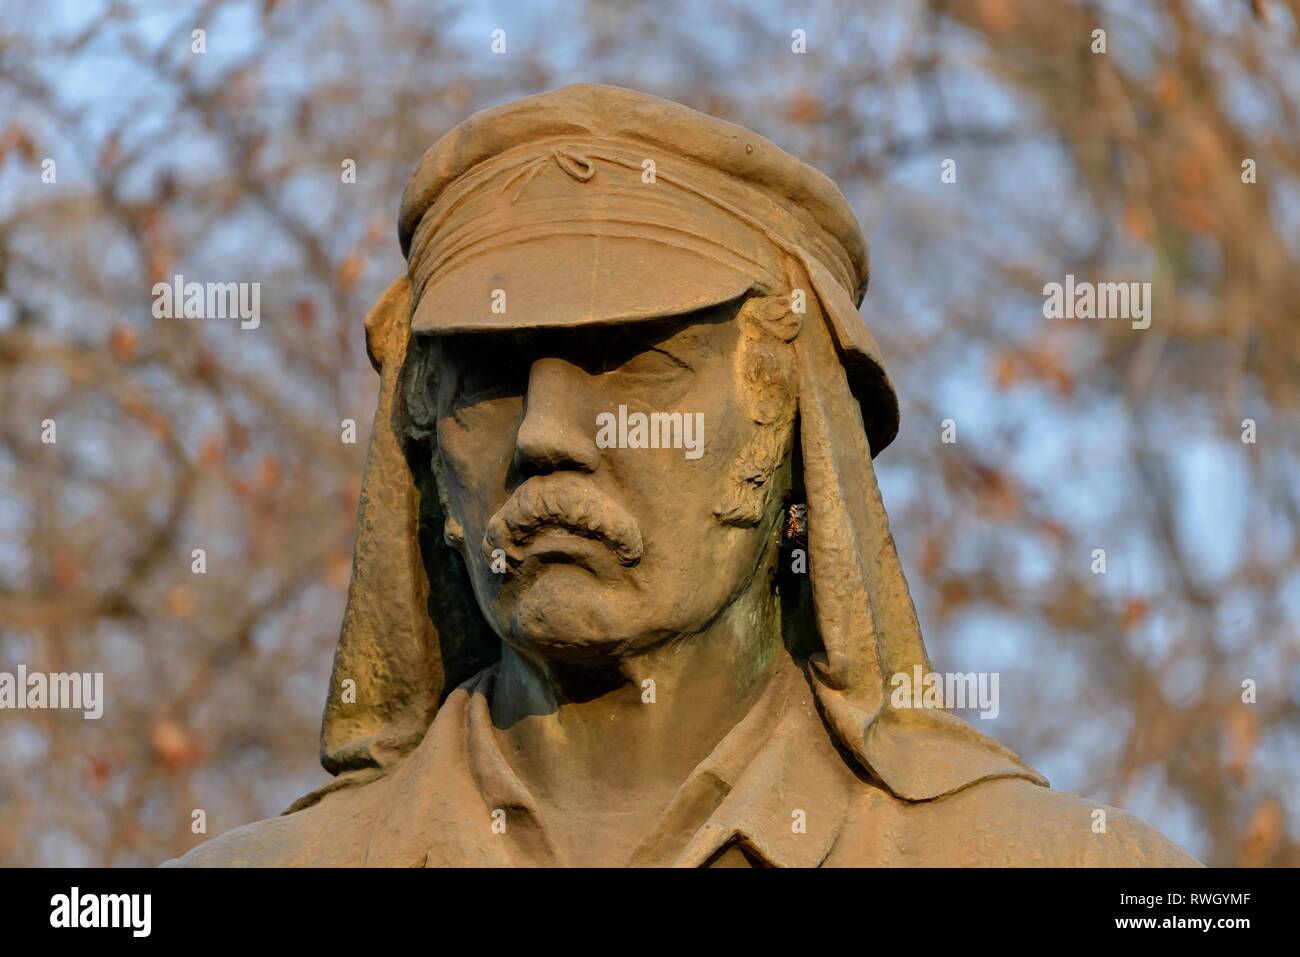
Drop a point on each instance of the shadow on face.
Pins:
(582, 470)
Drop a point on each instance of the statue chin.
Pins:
(564, 611)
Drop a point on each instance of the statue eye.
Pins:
(654, 362)
(485, 367)
(643, 350)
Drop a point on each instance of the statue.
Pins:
(623, 590)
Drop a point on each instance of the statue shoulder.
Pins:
(317, 836)
(1008, 822)
(1050, 828)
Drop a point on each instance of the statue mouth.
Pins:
(546, 514)
(559, 546)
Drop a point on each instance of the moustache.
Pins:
(561, 502)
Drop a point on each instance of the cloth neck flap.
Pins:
(865, 616)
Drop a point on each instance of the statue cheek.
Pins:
(475, 455)
(452, 452)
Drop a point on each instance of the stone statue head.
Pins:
(626, 347)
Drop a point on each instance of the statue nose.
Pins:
(556, 433)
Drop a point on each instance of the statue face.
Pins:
(583, 542)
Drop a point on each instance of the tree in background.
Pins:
(989, 147)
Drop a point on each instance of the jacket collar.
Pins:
(775, 786)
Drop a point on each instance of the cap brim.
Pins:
(575, 280)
